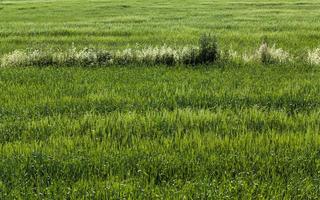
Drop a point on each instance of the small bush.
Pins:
(208, 49)
(104, 58)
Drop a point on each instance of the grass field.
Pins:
(291, 24)
(231, 131)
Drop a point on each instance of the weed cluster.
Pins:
(314, 56)
(207, 52)
(268, 55)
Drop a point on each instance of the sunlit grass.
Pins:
(246, 127)
(115, 24)
(142, 132)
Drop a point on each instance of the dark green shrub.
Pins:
(208, 49)
(104, 57)
(40, 58)
(190, 56)
(166, 59)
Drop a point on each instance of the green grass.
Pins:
(223, 131)
(291, 24)
(247, 132)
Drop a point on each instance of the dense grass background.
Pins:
(292, 24)
(138, 132)
(246, 132)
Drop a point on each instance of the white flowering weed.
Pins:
(314, 56)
